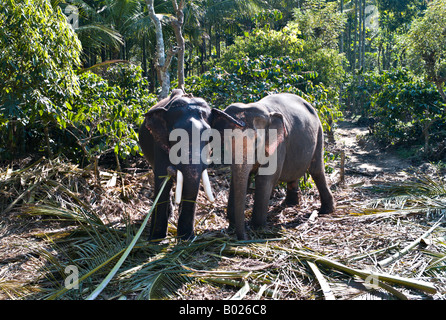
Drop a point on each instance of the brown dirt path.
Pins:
(363, 157)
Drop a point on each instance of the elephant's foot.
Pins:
(258, 226)
(292, 198)
(157, 237)
(187, 237)
(327, 208)
(185, 233)
(292, 194)
(240, 235)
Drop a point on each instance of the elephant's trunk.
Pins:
(206, 185)
(237, 198)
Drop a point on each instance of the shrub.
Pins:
(406, 109)
(248, 80)
(106, 114)
(38, 51)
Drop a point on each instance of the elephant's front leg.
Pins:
(160, 216)
(264, 187)
(230, 208)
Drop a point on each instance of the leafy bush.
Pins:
(264, 42)
(406, 109)
(312, 35)
(248, 80)
(287, 43)
(38, 51)
(105, 116)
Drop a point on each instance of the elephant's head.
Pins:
(178, 125)
(255, 144)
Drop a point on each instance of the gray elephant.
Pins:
(286, 130)
(192, 116)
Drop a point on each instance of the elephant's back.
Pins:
(303, 132)
(298, 113)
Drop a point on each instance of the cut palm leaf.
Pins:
(115, 269)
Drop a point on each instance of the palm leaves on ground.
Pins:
(421, 192)
(282, 267)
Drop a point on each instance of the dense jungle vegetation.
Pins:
(80, 88)
(77, 77)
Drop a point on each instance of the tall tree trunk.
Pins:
(355, 36)
(177, 28)
(349, 42)
(341, 37)
(161, 63)
(379, 56)
(360, 22)
(363, 33)
(203, 53)
(144, 56)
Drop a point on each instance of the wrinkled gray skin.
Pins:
(299, 147)
(176, 111)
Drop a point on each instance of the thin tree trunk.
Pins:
(203, 53)
(360, 34)
(177, 28)
(363, 34)
(144, 56)
(161, 65)
(341, 37)
(379, 56)
(426, 128)
(47, 141)
(349, 41)
(356, 36)
(439, 85)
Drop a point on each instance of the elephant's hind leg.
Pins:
(292, 193)
(317, 172)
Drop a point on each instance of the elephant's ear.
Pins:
(276, 122)
(155, 122)
(220, 120)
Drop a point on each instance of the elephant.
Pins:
(287, 129)
(193, 116)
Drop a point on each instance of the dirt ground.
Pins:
(364, 157)
(348, 234)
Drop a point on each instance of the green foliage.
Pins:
(426, 41)
(248, 80)
(288, 42)
(394, 14)
(106, 114)
(264, 42)
(320, 23)
(38, 51)
(321, 26)
(317, 48)
(403, 106)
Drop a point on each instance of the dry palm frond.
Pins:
(404, 251)
(325, 287)
(77, 221)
